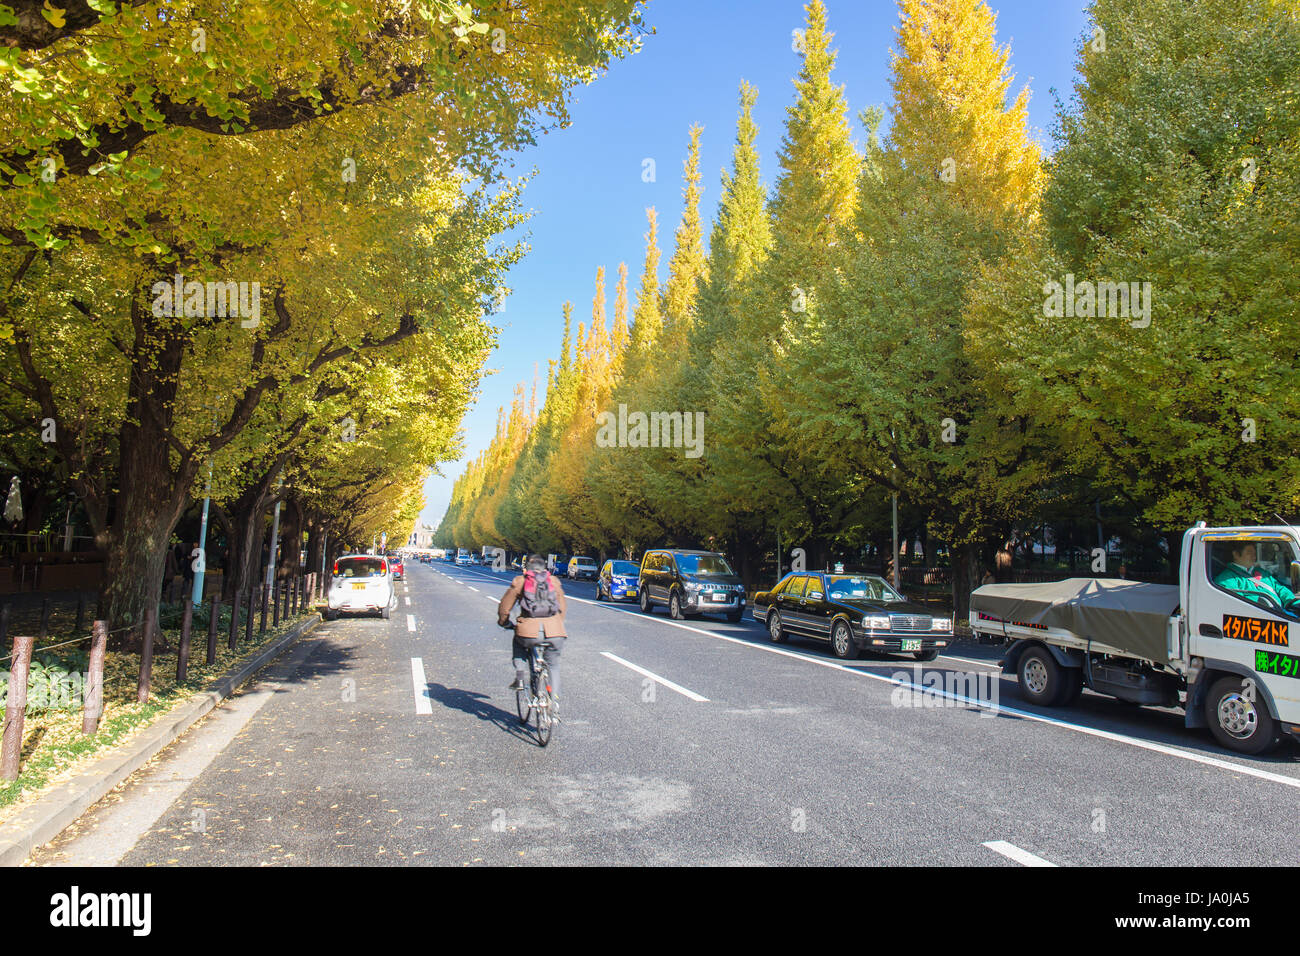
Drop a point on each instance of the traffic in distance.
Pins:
(1216, 645)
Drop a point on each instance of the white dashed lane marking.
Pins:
(1013, 852)
(656, 678)
(423, 704)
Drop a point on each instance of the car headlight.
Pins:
(941, 624)
(876, 622)
(693, 585)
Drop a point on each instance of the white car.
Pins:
(582, 567)
(464, 559)
(362, 583)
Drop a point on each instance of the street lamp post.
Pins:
(196, 597)
(275, 542)
(894, 560)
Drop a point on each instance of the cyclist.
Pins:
(541, 617)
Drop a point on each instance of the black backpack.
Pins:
(538, 598)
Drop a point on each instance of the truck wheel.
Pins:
(931, 654)
(1237, 721)
(733, 617)
(1041, 680)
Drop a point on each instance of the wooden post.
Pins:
(11, 743)
(275, 603)
(263, 591)
(93, 708)
(183, 655)
(213, 615)
(146, 654)
(233, 637)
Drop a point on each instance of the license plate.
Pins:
(631, 592)
(718, 596)
(358, 587)
(912, 645)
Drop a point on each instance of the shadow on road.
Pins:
(478, 705)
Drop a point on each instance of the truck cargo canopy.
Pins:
(1131, 616)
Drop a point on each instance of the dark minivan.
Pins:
(689, 583)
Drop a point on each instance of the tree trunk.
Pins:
(290, 540)
(965, 578)
(152, 493)
(315, 532)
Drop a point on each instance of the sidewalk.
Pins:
(48, 815)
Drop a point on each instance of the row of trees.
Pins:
(882, 321)
(325, 188)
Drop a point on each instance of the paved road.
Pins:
(731, 751)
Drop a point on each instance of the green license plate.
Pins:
(911, 645)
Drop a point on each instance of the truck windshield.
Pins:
(1260, 570)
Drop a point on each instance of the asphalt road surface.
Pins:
(695, 742)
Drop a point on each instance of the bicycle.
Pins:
(535, 701)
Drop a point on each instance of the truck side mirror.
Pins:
(1295, 575)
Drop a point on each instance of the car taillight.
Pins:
(336, 567)
(383, 567)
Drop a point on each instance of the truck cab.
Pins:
(1224, 644)
(1241, 626)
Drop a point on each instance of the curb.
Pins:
(47, 817)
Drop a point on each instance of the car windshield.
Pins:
(623, 567)
(703, 564)
(865, 587)
(585, 561)
(360, 567)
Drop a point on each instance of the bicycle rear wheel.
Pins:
(544, 722)
(522, 698)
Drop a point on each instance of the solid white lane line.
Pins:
(410, 622)
(423, 704)
(656, 678)
(1013, 852)
(970, 660)
(994, 708)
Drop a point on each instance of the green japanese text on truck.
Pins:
(1219, 644)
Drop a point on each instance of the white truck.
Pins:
(1218, 643)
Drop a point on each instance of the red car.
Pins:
(395, 565)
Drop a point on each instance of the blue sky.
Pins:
(588, 198)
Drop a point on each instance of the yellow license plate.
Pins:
(359, 587)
